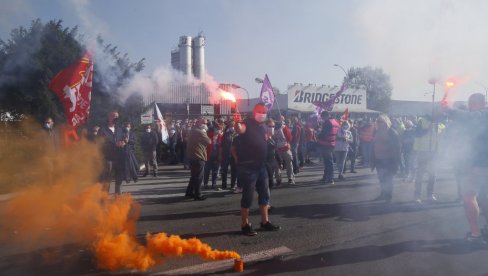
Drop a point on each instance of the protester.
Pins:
(227, 158)
(149, 142)
(296, 133)
(426, 148)
(179, 142)
(233, 151)
(251, 169)
(214, 153)
(126, 163)
(272, 166)
(172, 140)
(327, 142)
(408, 140)
(301, 146)
(474, 185)
(398, 125)
(92, 135)
(343, 139)
(385, 156)
(107, 135)
(185, 131)
(353, 146)
(310, 142)
(282, 136)
(366, 134)
(197, 155)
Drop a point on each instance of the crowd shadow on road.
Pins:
(189, 215)
(355, 211)
(368, 253)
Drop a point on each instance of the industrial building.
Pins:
(189, 57)
(193, 98)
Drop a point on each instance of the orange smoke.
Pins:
(60, 201)
(176, 246)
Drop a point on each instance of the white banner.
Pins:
(301, 98)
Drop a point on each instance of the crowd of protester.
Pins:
(257, 153)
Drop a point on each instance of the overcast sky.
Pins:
(292, 41)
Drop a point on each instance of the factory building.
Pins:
(189, 57)
(181, 100)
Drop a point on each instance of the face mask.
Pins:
(47, 125)
(148, 130)
(127, 129)
(259, 117)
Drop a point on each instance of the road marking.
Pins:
(210, 267)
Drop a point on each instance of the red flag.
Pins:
(345, 115)
(73, 86)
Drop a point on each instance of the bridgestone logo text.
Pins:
(307, 97)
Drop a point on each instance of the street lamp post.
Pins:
(342, 68)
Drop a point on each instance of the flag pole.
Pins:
(277, 104)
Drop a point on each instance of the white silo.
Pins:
(198, 45)
(185, 55)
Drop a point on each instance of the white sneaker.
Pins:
(237, 190)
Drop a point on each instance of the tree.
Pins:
(377, 84)
(31, 57)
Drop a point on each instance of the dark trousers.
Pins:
(186, 165)
(301, 157)
(228, 160)
(351, 156)
(196, 179)
(328, 157)
(212, 165)
(385, 176)
(172, 151)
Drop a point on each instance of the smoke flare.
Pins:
(63, 203)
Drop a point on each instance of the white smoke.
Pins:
(143, 83)
(417, 40)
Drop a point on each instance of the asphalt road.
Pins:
(333, 230)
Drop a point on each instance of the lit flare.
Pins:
(228, 96)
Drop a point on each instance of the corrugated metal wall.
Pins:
(177, 93)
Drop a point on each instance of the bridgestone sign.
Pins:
(302, 97)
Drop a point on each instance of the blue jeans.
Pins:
(253, 179)
(328, 157)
